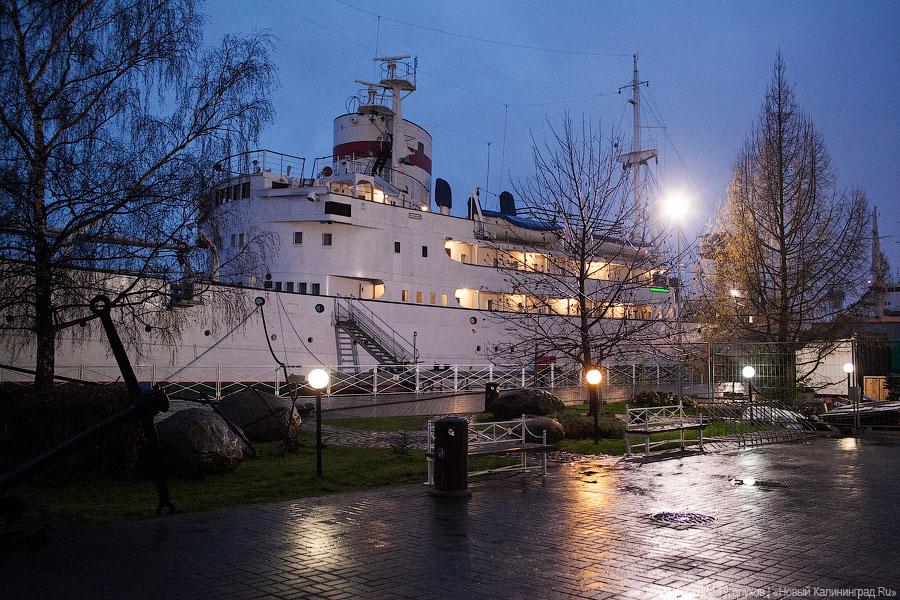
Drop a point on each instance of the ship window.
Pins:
(301, 287)
(419, 297)
(424, 251)
(315, 289)
(397, 247)
(337, 208)
(444, 299)
(245, 190)
(236, 192)
(241, 240)
(404, 295)
(298, 237)
(226, 194)
(233, 240)
(326, 240)
(278, 286)
(267, 285)
(432, 298)
(290, 286)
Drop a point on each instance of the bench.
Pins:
(644, 422)
(496, 438)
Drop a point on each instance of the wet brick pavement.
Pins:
(826, 520)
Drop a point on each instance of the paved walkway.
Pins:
(822, 518)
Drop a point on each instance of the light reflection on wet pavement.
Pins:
(774, 520)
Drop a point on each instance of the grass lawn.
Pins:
(269, 478)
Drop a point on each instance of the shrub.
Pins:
(579, 426)
(649, 399)
(35, 419)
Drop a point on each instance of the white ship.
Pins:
(369, 270)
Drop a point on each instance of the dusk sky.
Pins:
(708, 64)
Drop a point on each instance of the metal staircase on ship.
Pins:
(355, 325)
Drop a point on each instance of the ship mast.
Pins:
(638, 155)
(636, 128)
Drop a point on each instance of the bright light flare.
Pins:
(735, 293)
(748, 372)
(848, 368)
(676, 205)
(593, 376)
(318, 379)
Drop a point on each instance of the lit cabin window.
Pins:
(432, 298)
(418, 297)
(444, 299)
(404, 295)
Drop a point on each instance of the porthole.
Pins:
(320, 308)
(477, 348)
(268, 277)
(147, 328)
(206, 333)
(273, 337)
(473, 320)
(309, 340)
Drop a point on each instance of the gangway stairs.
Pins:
(355, 325)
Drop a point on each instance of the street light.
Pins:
(675, 207)
(748, 372)
(848, 369)
(593, 376)
(318, 380)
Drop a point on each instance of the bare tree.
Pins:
(581, 266)
(112, 116)
(788, 263)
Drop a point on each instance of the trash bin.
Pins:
(451, 445)
(491, 393)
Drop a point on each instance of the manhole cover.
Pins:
(677, 518)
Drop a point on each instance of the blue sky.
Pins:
(708, 64)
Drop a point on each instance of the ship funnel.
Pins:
(443, 196)
(507, 204)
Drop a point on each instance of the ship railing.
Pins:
(216, 382)
(261, 161)
(346, 309)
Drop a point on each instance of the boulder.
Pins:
(196, 441)
(535, 426)
(260, 415)
(515, 403)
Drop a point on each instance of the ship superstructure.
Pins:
(368, 269)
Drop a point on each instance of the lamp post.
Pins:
(748, 372)
(848, 369)
(675, 207)
(593, 376)
(318, 380)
